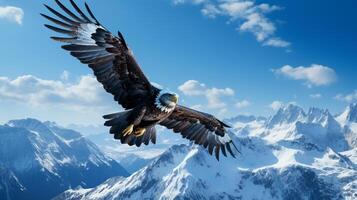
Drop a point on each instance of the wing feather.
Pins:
(80, 12)
(91, 13)
(58, 22)
(61, 16)
(60, 30)
(64, 8)
(202, 128)
(107, 55)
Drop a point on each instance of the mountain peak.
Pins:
(318, 115)
(28, 123)
(51, 124)
(349, 115)
(24, 121)
(287, 114)
(352, 115)
(292, 109)
(316, 110)
(57, 158)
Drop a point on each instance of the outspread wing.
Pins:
(109, 57)
(202, 128)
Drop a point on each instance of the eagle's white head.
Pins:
(166, 101)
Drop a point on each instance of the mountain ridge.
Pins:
(283, 161)
(56, 158)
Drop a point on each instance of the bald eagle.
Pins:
(145, 105)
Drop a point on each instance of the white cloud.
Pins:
(11, 13)
(210, 10)
(266, 8)
(260, 26)
(276, 105)
(350, 98)
(276, 42)
(315, 75)
(315, 96)
(243, 104)
(236, 9)
(247, 14)
(83, 101)
(34, 91)
(213, 95)
(192, 88)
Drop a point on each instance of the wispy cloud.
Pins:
(246, 14)
(350, 98)
(213, 94)
(11, 13)
(315, 75)
(276, 42)
(243, 104)
(315, 96)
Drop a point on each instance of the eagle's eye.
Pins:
(174, 98)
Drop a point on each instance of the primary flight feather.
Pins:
(145, 106)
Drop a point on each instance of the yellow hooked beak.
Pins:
(174, 98)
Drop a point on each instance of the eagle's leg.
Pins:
(134, 119)
(139, 132)
(128, 130)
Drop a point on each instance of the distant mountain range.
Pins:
(133, 158)
(291, 155)
(40, 160)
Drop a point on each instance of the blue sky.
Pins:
(224, 57)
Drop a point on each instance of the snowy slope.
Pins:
(291, 123)
(349, 115)
(133, 163)
(9, 184)
(131, 157)
(293, 155)
(348, 120)
(45, 157)
(262, 172)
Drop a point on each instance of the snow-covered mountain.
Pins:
(9, 184)
(262, 172)
(131, 157)
(40, 160)
(348, 121)
(291, 123)
(133, 163)
(349, 115)
(292, 155)
(287, 115)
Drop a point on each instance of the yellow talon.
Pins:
(128, 130)
(139, 132)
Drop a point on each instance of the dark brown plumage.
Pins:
(117, 70)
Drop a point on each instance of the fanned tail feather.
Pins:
(118, 122)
